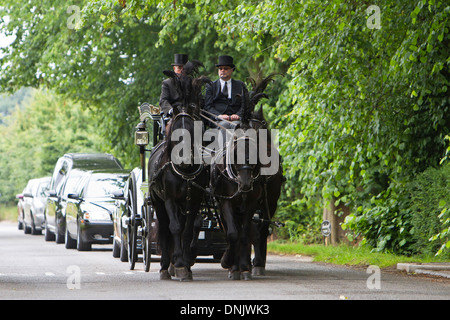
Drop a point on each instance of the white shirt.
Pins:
(222, 84)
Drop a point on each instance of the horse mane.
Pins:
(252, 98)
(247, 108)
(261, 87)
(257, 92)
(197, 85)
(191, 68)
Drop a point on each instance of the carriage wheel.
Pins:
(146, 236)
(132, 222)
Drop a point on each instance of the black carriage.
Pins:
(140, 236)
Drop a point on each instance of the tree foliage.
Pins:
(34, 137)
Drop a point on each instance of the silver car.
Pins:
(34, 200)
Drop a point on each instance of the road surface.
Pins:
(31, 268)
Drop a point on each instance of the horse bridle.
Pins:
(191, 175)
(229, 164)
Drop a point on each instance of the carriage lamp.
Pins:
(141, 140)
(141, 135)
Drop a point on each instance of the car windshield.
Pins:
(103, 185)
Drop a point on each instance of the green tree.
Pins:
(36, 136)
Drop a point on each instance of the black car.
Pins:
(54, 210)
(89, 208)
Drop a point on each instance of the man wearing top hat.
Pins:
(222, 98)
(169, 95)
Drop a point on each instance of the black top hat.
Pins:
(180, 59)
(225, 61)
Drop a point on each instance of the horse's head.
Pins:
(242, 157)
(185, 138)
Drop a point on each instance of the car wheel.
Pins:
(81, 244)
(123, 247)
(59, 235)
(26, 229)
(49, 236)
(116, 248)
(34, 231)
(70, 243)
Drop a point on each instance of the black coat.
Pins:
(215, 102)
(169, 96)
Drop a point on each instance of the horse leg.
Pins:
(188, 238)
(197, 223)
(229, 258)
(165, 240)
(260, 232)
(176, 224)
(245, 249)
(271, 194)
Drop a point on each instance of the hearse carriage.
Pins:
(189, 199)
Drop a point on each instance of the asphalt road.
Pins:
(31, 268)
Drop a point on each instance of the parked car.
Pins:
(34, 199)
(89, 208)
(54, 210)
(19, 198)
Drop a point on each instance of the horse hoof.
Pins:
(183, 273)
(164, 275)
(246, 275)
(188, 278)
(234, 275)
(171, 270)
(259, 271)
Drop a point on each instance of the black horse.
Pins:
(248, 191)
(236, 185)
(175, 169)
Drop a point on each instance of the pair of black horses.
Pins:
(176, 189)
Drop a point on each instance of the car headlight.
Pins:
(97, 215)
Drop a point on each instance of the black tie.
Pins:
(225, 90)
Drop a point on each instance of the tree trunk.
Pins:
(336, 216)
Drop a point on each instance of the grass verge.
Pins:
(346, 255)
(8, 212)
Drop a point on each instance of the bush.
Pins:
(430, 198)
(302, 224)
(384, 222)
(410, 218)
